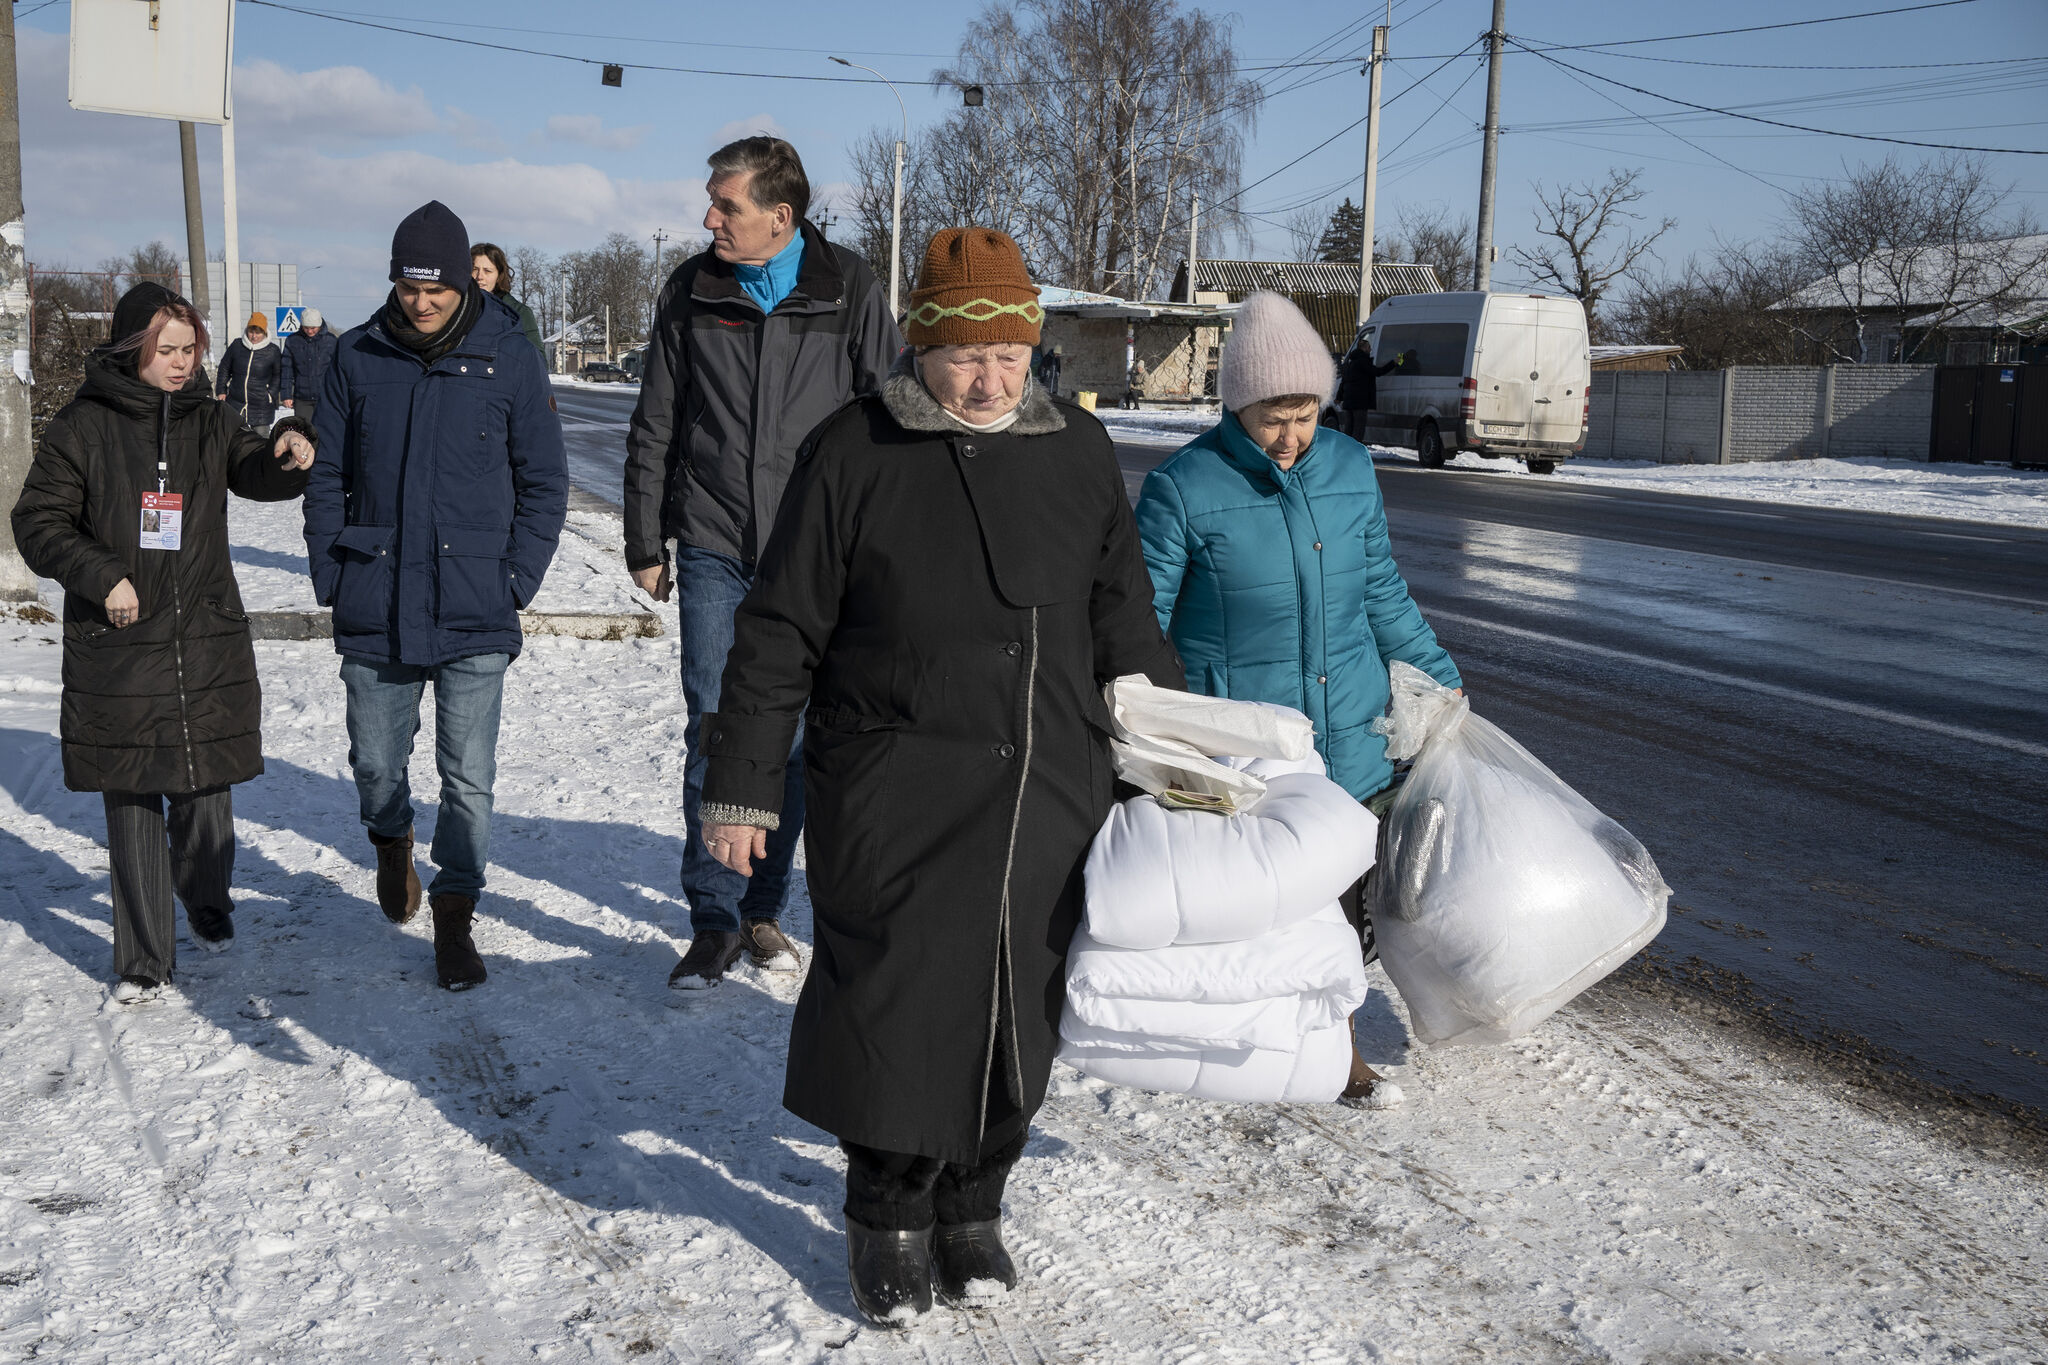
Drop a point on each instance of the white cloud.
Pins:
(589, 130)
(336, 103)
(97, 184)
(751, 126)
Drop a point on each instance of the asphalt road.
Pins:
(1827, 726)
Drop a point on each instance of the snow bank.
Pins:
(1986, 493)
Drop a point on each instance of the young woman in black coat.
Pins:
(126, 507)
(953, 577)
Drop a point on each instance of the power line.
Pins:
(1783, 66)
(710, 71)
(1775, 123)
(1759, 28)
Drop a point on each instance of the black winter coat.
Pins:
(942, 607)
(727, 395)
(251, 379)
(307, 359)
(1358, 380)
(171, 703)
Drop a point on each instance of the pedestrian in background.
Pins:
(489, 268)
(308, 355)
(1358, 388)
(1271, 568)
(251, 376)
(431, 517)
(126, 507)
(756, 340)
(954, 578)
(1049, 370)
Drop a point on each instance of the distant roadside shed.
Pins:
(1099, 335)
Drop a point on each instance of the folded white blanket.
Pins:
(1159, 876)
(1315, 1072)
(1266, 993)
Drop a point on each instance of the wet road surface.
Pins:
(1828, 726)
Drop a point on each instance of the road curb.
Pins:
(578, 625)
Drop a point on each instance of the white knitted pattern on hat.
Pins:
(1272, 351)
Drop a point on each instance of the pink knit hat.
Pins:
(1273, 352)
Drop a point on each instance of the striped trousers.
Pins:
(149, 855)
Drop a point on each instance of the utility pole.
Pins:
(1194, 240)
(1372, 168)
(562, 337)
(195, 218)
(17, 584)
(231, 267)
(607, 334)
(660, 236)
(1482, 255)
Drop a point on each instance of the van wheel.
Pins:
(1429, 446)
(1542, 466)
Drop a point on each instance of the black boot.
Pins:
(970, 1265)
(456, 959)
(398, 881)
(891, 1273)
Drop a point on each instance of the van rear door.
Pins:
(1531, 370)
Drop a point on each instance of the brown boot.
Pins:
(1363, 1079)
(456, 959)
(398, 884)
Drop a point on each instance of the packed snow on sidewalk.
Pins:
(1967, 492)
(308, 1152)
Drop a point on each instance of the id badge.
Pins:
(163, 520)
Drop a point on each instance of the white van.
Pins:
(1501, 375)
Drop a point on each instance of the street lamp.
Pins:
(896, 203)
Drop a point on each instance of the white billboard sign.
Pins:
(157, 58)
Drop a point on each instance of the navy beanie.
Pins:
(431, 247)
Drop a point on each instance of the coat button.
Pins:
(1323, 680)
(464, 369)
(1319, 545)
(968, 451)
(1013, 649)
(718, 736)
(1006, 750)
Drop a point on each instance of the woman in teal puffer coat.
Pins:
(1271, 568)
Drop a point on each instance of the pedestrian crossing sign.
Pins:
(287, 322)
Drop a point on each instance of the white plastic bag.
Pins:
(1164, 738)
(1504, 893)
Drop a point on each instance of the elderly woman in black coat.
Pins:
(126, 507)
(953, 576)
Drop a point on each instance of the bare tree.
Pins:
(156, 262)
(1595, 242)
(1900, 253)
(1433, 238)
(1304, 229)
(613, 274)
(1722, 308)
(1103, 118)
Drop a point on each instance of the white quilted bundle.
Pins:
(1214, 960)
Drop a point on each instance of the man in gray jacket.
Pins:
(755, 342)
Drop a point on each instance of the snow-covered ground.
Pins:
(570, 381)
(308, 1152)
(1987, 493)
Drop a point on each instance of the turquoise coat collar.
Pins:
(1237, 446)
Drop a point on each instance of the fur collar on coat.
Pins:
(914, 408)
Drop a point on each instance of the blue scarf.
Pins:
(770, 284)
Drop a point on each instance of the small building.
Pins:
(1975, 303)
(1635, 357)
(1099, 336)
(579, 342)
(1325, 291)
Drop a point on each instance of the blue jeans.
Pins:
(383, 720)
(709, 588)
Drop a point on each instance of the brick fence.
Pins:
(1762, 412)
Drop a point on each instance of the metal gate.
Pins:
(1993, 413)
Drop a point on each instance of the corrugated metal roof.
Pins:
(1303, 278)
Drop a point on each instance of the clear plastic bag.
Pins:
(1504, 893)
(1164, 740)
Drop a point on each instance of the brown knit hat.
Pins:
(973, 288)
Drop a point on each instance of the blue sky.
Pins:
(342, 129)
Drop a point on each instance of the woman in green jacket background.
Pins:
(1271, 568)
